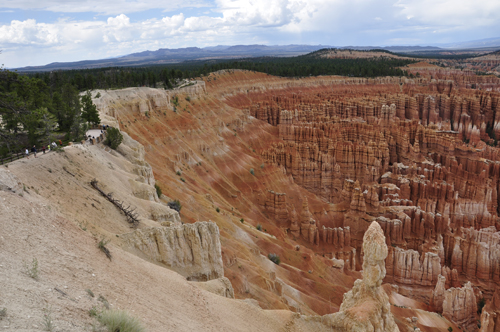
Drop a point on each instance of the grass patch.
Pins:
(31, 269)
(91, 293)
(120, 321)
(48, 324)
(94, 312)
(158, 190)
(104, 301)
(102, 246)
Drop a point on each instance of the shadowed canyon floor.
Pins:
(311, 162)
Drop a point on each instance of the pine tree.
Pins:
(89, 110)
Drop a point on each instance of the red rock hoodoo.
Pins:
(316, 161)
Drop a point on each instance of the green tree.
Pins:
(39, 124)
(89, 110)
(113, 137)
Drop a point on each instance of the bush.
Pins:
(178, 173)
(183, 180)
(217, 209)
(48, 324)
(259, 227)
(158, 190)
(94, 312)
(274, 258)
(252, 171)
(113, 138)
(450, 329)
(117, 320)
(31, 270)
(102, 246)
(175, 205)
(242, 220)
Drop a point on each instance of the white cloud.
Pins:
(331, 22)
(460, 13)
(28, 32)
(102, 7)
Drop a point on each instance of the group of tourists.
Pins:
(44, 148)
(53, 145)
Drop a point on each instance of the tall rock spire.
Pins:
(366, 307)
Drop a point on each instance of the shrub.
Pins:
(188, 98)
(91, 293)
(117, 320)
(158, 190)
(259, 227)
(183, 180)
(31, 269)
(274, 258)
(3, 313)
(102, 246)
(48, 325)
(104, 301)
(175, 205)
(178, 173)
(242, 220)
(217, 209)
(94, 312)
(252, 171)
(113, 138)
(262, 166)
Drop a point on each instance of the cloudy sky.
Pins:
(38, 32)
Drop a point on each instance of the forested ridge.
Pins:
(167, 75)
(36, 108)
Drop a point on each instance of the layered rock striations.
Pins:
(460, 306)
(329, 156)
(193, 250)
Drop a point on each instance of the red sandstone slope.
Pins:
(314, 160)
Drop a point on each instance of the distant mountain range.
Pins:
(170, 56)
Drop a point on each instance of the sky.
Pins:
(39, 32)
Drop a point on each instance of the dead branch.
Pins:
(132, 216)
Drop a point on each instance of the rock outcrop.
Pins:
(490, 315)
(408, 267)
(366, 307)
(460, 306)
(192, 250)
(221, 286)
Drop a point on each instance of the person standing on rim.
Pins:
(27, 154)
(33, 149)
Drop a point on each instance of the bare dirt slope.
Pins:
(57, 218)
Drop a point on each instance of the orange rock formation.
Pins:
(316, 161)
